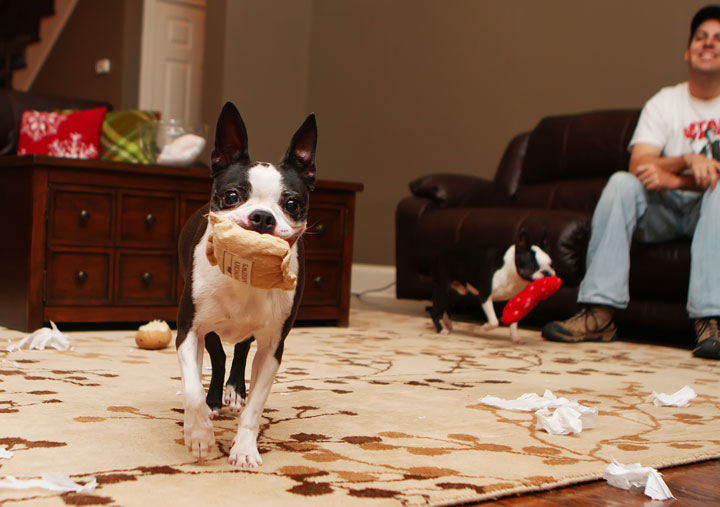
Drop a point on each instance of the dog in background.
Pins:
(489, 274)
(269, 199)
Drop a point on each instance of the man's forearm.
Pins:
(674, 165)
(687, 182)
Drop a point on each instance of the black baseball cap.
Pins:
(707, 12)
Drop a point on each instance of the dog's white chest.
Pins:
(506, 282)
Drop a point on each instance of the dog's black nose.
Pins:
(262, 221)
(546, 272)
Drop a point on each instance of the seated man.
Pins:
(669, 192)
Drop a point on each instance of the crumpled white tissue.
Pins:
(181, 151)
(41, 338)
(52, 481)
(680, 398)
(568, 417)
(4, 453)
(527, 402)
(635, 475)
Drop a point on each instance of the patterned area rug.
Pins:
(384, 412)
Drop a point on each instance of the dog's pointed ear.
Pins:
(523, 240)
(301, 153)
(231, 142)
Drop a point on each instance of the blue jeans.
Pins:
(625, 208)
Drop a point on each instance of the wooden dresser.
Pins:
(94, 241)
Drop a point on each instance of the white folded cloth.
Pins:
(181, 151)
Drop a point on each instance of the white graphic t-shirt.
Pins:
(679, 124)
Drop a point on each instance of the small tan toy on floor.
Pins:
(153, 335)
(260, 260)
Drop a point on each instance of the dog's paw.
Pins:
(445, 332)
(244, 452)
(198, 431)
(214, 413)
(233, 399)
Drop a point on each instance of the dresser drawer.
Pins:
(322, 282)
(325, 227)
(80, 215)
(147, 220)
(78, 277)
(145, 278)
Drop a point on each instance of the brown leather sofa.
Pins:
(548, 182)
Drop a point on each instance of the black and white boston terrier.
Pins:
(269, 199)
(487, 273)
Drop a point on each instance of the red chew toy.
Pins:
(526, 299)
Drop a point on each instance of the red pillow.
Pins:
(61, 134)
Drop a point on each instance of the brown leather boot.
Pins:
(593, 323)
(708, 338)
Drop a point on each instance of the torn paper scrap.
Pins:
(528, 402)
(4, 453)
(52, 481)
(42, 338)
(680, 398)
(635, 475)
(566, 419)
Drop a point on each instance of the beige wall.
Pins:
(401, 88)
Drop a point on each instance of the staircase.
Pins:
(28, 31)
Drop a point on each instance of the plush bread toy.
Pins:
(526, 299)
(251, 258)
(153, 335)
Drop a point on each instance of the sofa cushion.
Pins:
(576, 194)
(579, 146)
(61, 134)
(120, 140)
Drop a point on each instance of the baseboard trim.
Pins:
(377, 278)
(373, 287)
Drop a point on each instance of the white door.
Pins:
(171, 67)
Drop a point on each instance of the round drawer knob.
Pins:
(147, 278)
(150, 219)
(319, 281)
(320, 229)
(85, 216)
(82, 276)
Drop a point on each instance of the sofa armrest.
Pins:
(451, 190)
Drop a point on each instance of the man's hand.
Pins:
(705, 170)
(654, 177)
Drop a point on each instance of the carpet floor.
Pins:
(384, 412)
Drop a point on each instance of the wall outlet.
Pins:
(102, 66)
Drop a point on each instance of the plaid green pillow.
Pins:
(120, 139)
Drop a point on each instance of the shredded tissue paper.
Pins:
(680, 398)
(52, 481)
(4, 453)
(635, 475)
(568, 416)
(42, 338)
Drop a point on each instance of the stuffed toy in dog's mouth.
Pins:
(251, 258)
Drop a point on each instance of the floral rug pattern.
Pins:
(384, 412)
